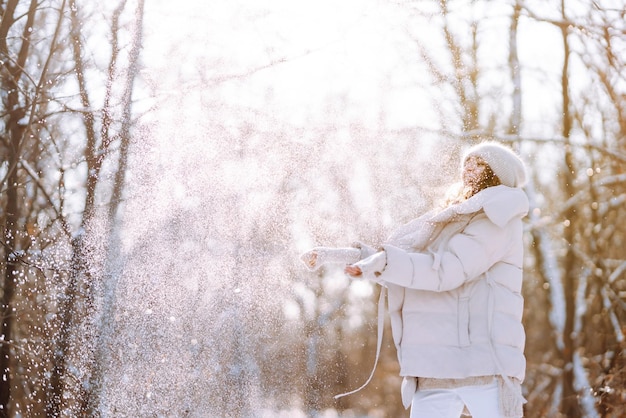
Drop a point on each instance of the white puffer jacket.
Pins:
(454, 280)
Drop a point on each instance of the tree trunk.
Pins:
(569, 401)
(14, 69)
(111, 275)
(514, 66)
(11, 230)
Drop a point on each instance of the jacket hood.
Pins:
(500, 203)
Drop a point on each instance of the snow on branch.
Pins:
(617, 272)
(581, 383)
(617, 328)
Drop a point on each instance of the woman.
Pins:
(454, 278)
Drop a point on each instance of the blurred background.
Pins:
(164, 164)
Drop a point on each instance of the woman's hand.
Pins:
(354, 271)
(310, 259)
(369, 267)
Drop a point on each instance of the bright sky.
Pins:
(301, 51)
(327, 47)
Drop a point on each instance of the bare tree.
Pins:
(26, 71)
(37, 226)
(107, 133)
(588, 333)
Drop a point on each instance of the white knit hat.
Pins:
(502, 160)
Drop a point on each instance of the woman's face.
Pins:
(473, 170)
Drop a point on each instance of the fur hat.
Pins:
(502, 160)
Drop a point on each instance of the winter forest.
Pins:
(164, 164)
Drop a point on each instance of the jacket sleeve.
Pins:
(467, 255)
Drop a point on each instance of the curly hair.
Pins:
(487, 179)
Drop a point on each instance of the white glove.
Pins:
(318, 256)
(365, 249)
(373, 265)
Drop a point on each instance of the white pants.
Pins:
(481, 401)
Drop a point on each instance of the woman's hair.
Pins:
(487, 179)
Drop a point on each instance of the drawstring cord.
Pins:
(491, 310)
(381, 325)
